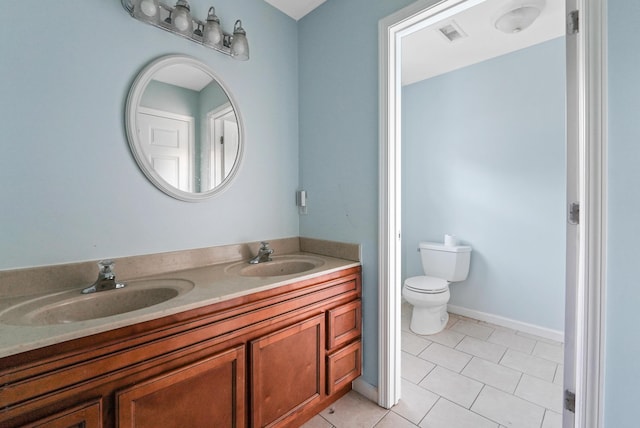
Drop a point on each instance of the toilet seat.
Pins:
(427, 284)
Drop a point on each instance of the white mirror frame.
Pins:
(133, 102)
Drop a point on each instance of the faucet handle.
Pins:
(264, 245)
(106, 268)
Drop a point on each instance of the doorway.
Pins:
(585, 187)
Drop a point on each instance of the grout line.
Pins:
(431, 409)
(398, 414)
(507, 348)
(384, 416)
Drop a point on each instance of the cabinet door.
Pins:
(287, 372)
(207, 393)
(84, 416)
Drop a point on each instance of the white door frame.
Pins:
(590, 131)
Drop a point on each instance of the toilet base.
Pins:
(429, 320)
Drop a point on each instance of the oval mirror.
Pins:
(183, 128)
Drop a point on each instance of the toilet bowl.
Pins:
(429, 294)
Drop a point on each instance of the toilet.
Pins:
(429, 294)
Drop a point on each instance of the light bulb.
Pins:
(146, 10)
(181, 17)
(148, 7)
(212, 31)
(239, 44)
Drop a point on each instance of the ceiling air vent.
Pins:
(452, 31)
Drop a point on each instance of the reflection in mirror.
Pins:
(183, 128)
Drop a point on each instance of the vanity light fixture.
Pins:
(181, 18)
(239, 44)
(180, 21)
(213, 35)
(518, 15)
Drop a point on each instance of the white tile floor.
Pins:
(471, 375)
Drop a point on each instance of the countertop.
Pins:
(213, 283)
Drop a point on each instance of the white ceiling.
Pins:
(427, 53)
(183, 75)
(295, 8)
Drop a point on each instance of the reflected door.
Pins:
(167, 141)
(225, 143)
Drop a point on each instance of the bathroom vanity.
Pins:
(273, 354)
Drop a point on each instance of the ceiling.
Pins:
(183, 75)
(483, 40)
(296, 9)
(428, 53)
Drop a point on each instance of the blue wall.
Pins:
(623, 287)
(338, 51)
(483, 157)
(62, 96)
(71, 189)
(171, 98)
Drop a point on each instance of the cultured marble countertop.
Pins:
(214, 283)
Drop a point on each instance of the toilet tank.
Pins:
(447, 262)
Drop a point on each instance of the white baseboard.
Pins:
(365, 389)
(547, 333)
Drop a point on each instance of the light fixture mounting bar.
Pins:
(165, 23)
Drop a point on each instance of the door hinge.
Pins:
(573, 22)
(570, 401)
(574, 213)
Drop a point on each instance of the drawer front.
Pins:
(84, 416)
(344, 366)
(344, 324)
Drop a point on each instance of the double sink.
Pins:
(71, 306)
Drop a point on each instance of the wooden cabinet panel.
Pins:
(208, 393)
(84, 416)
(343, 366)
(287, 372)
(343, 324)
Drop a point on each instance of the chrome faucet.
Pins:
(106, 279)
(264, 254)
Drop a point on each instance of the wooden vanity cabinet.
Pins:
(272, 358)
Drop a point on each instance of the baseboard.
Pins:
(365, 389)
(547, 333)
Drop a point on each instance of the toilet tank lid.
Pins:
(441, 247)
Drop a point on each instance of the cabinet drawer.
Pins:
(88, 415)
(343, 324)
(343, 366)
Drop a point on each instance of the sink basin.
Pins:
(71, 306)
(279, 266)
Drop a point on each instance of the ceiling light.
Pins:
(518, 15)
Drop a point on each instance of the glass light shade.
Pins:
(146, 10)
(181, 18)
(239, 44)
(212, 31)
(517, 19)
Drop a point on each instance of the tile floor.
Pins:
(471, 375)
